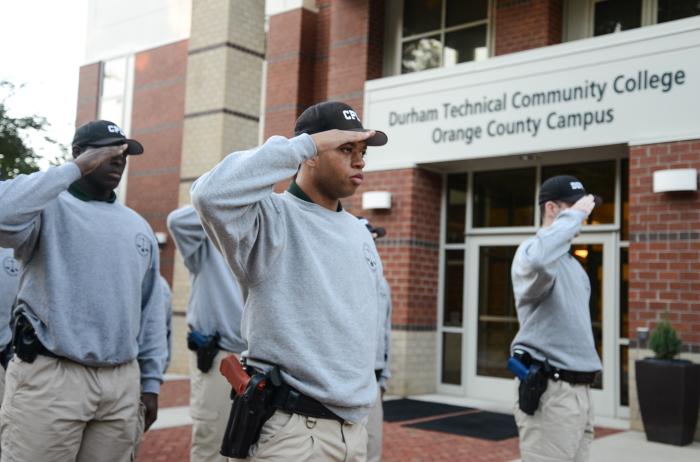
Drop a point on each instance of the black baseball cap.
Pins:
(564, 188)
(104, 133)
(333, 114)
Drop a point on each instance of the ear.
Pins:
(550, 208)
(75, 151)
(311, 163)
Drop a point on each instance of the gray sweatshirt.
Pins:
(552, 293)
(9, 283)
(313, 275)
(215, 304)
(381, 360)
(90, 280)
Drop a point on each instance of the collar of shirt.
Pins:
(295, 190)
(77, 192)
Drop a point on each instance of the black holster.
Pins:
(6, 356)
(249, 411)
(531, 389)
(206, 349)
(25, 343)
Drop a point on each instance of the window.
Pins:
(438, 33)
(669, 10)
(611, 16)
(587, 18)
(504, 198)
(116, 88)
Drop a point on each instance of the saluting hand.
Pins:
(93, 157)
(585, 204)
(331, 139)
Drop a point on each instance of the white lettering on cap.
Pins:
(350, 115)
(576, 185)
(115, 129)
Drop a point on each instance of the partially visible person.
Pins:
(554, 410)
(375, 420)
(214, 316)
(9, 284)
(90, 338)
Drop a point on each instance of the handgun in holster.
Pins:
(533, 377)
(251, 407)
(25, 342)
(205, 346)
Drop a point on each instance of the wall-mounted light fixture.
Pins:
(679, 179)
(376, 200)
(161, 238)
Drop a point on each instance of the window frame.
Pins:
(394, 39)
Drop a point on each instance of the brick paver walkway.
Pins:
(401, 444)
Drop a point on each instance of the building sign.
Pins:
(643, 85)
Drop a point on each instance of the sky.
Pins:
(43, 47)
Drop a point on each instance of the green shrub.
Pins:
(664, 341)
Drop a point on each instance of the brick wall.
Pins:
(355, 49)
(664, 254)
(88, 94)
(291, 49)
(314, 57)
(410, 249)
(156, 121)
(526, 24)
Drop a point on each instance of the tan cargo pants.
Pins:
(210, 405)
(375, 428)
(293, 437)
(59, 410)
(561, 429)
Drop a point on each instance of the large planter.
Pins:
(669, 392)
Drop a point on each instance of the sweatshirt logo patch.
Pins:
(10, 266)
(370, 257)
(143, 245)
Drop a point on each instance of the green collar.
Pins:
(295, 190)
(77, 192)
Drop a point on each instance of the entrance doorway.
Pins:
(492, 320)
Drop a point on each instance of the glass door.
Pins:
(491, 319)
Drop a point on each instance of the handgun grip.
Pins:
(235, 374)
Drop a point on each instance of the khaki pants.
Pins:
(293, 437)
(375, 423)
(59, 410)
(210, 405)
(561, 429)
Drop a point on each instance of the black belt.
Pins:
(573, 377)
(290, 400)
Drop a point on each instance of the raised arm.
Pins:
(24, 198)
(534, 267)
(189, 236)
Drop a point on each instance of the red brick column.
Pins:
(664, 254)
(526, 24)
(157, 122)
(88, 94)
(291, 52)
(355, 49)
